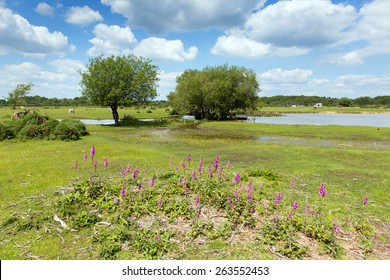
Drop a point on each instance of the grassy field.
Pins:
(352, 162)
(148, 112)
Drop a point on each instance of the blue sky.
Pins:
(296, 47)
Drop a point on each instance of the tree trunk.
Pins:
(115, 114)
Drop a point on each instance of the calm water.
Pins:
(375, 120)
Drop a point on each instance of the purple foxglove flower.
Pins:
(105, 162)
(250, 186)
(228, 200)
(200, 165)
(193, 175)
(197, 200)
(290, 215)
(184, 181)
(85, 157)
(216, 161)
(183, 164)
(252, 210)
(95, 163)
(186, 190)
(158, 236)
(250, 196)
(123, 192)
(128, 168)
(295, 205)
(123, 173)
(322, 191)
(278, 198)
(92, 151)
(236, 179)
(151, 182)
(135, 172)
(189, 158)
(228, 165)
(365, 201)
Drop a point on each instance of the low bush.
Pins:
(35, 126)
(6, 132)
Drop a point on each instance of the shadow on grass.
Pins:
(137, 123)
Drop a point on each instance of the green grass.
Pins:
(351, 161)
(88, 112)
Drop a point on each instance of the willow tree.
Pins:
(119, 81)
(217, 92)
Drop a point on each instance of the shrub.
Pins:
(66, 131)
(6, 132)
(48, 127)
(78, 125)
(30, 131)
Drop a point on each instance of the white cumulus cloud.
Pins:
(44, 9)
(62, 81)
(162, 49)
(288, 28)
(116, 40)
(373, 28)
(278, 75)
(166, 84)
(82, 15)
(111, 40)
(164, 16)
(18, 35)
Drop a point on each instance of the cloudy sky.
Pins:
(310, 47)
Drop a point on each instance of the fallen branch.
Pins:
(65, 226)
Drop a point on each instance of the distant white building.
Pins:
(317, 105)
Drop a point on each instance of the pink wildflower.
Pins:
(197, 200)
(322, 191)
(92, 151)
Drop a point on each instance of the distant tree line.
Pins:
(273, 101)
(285, 100)
(37, 100)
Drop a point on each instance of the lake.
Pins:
(374, 120)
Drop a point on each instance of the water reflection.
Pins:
(374, 120)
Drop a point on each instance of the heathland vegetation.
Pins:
(196, 190)
(171, 188)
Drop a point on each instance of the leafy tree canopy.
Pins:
(16, 96)
(217, 92)
(119, 81)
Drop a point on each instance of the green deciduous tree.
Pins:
(217, 92)
(16, 96)
(119, 81)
